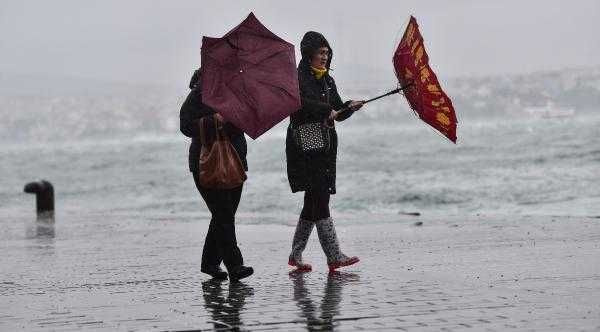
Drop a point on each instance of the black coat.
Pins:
(319, 97)
(191, 112)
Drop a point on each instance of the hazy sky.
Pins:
(159, 41)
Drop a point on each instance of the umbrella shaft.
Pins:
(389, 93)
(383, 95)
(378, 97)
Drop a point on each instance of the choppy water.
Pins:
(511, 166)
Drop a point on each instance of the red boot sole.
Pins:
(337, 265)
(300, 267)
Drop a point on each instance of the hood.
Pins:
(196, 79)
(310, 43)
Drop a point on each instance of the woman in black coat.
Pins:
(220, 243)
(315, 174)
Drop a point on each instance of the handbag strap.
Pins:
(219, 131)
(203, 139)
(219, 135)
(326, 88)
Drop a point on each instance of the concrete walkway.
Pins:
(128, 273)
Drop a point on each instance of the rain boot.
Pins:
(331, 246)
(303, 230)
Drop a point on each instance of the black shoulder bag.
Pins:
(313, 137)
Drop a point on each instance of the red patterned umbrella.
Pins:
(425, 94)
(249, 76)
(420, 85)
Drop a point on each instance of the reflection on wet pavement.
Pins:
(323, 317)
(225, 310)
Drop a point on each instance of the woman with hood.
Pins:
(220, 244)
(315, 173)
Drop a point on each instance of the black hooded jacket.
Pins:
(319, 97)
(191, 112)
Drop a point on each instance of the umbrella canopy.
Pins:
(424, 94)
(249, 76)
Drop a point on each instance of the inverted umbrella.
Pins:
(425, 96)
(249, 76)
(420, 84)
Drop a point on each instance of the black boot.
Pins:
(240, 272)
(214, 271)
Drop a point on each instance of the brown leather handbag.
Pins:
(220, 165)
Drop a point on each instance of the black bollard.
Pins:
(44, 194)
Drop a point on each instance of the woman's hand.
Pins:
(220, 118)
(355, 105)
(333, 115)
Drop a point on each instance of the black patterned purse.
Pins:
(312, 137)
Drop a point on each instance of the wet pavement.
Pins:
(130, 273)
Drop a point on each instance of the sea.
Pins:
(391, 165)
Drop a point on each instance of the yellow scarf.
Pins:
(318, 72)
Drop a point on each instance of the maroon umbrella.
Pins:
(249, 76)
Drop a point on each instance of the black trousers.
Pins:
(220, 244)
(316, 205)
